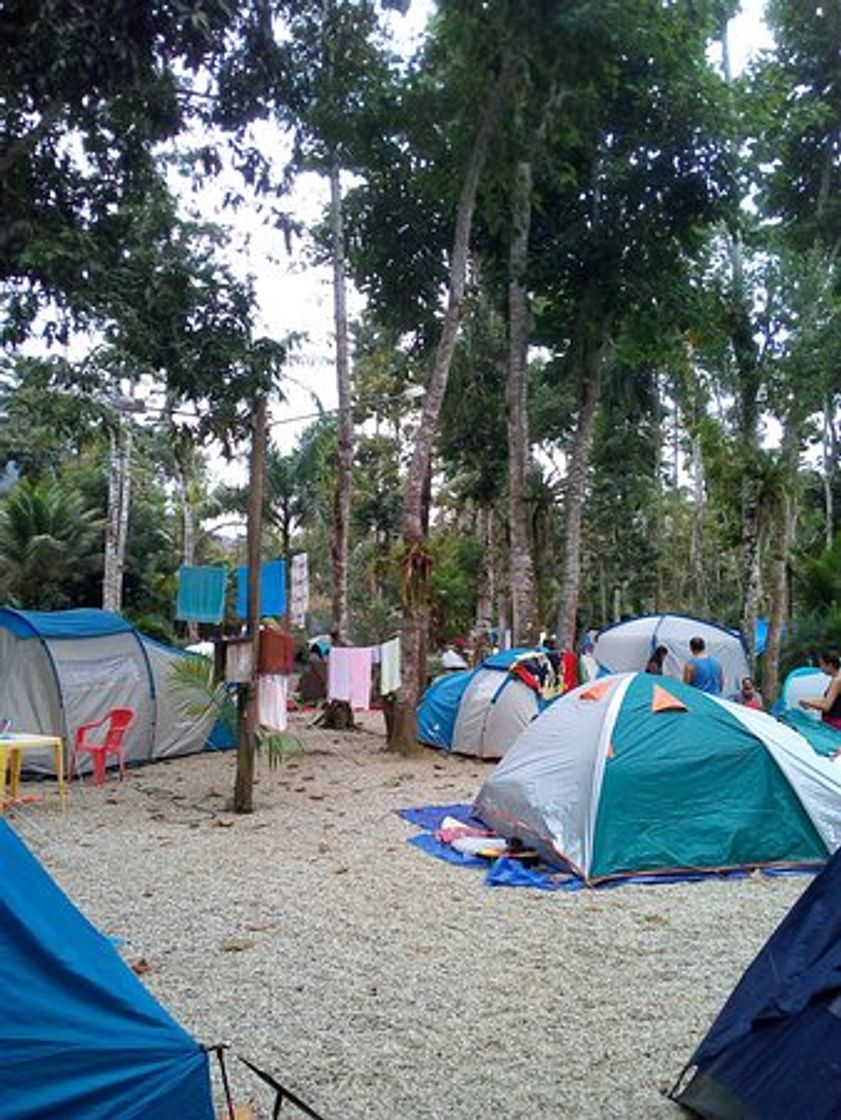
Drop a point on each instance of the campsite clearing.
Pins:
(379, 983)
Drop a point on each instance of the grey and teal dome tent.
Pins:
(481, 711)
(60, 669)
(81, 1038)
(635, 773)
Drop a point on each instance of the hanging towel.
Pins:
(271, 701)
(338, 673)
(201, 594)
(360, 678)
(272, 589)
(390, 666)
(299, 590)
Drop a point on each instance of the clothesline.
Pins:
(350, 672)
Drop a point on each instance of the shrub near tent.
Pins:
(635, 773)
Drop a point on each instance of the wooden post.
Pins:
(244, 786)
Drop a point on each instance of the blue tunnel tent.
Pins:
(774, 1052)
(81, 1037)
(60, 669)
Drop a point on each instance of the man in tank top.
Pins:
(701, 670)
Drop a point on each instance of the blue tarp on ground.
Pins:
(774, 1052)
(509, 871)
(80, 1037)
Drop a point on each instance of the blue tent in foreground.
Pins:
(81, 1038)
(774, 1052)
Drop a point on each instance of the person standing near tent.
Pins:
(829, 705)
(702, 670)
(747, 695)
(655, 662)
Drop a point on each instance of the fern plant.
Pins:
(197, 693)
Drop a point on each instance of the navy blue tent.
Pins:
(774, 1052)
(80, 1037)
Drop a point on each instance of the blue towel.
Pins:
(272, 589)
(201, 594)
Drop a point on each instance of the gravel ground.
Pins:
(376, 982)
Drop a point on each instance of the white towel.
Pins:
(390, 666)
(271, 701)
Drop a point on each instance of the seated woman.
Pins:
(829, 705)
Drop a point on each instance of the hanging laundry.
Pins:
(271, 701)
(277, 651)
(390, 666)
(299, 591)
(272, 589)
(201, 594)
(338, 674)
(349, 675)
(360, 678)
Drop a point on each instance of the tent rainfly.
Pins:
(81, 1038)
(773, 1052)
(635, 773)
(626, 646)
(60, 669)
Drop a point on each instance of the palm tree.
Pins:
(49, 543)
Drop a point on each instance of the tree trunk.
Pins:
(341, 527)
(587, 361)
(696, 551)
(188, 530)
(416, 560)
(246, 742)
(484, 595)
(116, 525)
(521, 583)
(830, 460)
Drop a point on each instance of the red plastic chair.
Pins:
(114, 724)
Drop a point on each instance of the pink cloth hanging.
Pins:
(361, 660)
(338, 673)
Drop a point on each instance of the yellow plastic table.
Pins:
(12, 747)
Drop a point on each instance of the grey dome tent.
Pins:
(60, 669)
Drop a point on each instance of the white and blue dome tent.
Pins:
(801, 683)
(480, 711)
(626, 646)
(60, 669)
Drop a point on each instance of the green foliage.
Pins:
(49, 541)
(198, 695)
(279, 746)
(455, 579)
